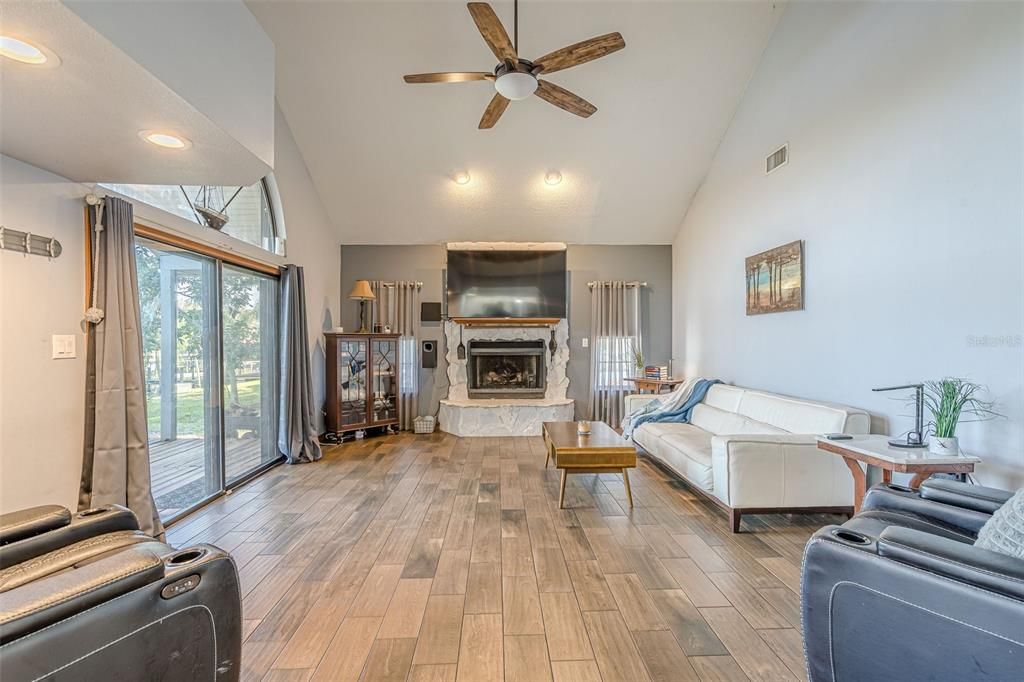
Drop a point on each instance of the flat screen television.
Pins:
(516, 284)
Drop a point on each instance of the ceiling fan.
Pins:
(516, 78)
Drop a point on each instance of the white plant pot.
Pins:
(948, 447)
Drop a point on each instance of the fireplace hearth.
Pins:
(506, 369)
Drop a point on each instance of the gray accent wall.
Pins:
(585, 263)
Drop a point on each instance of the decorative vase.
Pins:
(948, 447)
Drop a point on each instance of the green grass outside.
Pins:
(190, 407)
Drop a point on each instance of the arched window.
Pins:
(245, 213)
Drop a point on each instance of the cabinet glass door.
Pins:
(352, 379)
(385, 380)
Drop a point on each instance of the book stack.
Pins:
(656, 372)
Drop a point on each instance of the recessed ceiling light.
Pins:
(26, 53)
(553, 178)
(164, 139)
(462, 178)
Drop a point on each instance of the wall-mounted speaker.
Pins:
(429, 354)
(430, 312)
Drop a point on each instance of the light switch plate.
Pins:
(586, 342)
(63, 346)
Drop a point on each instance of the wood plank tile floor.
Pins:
(434, 558)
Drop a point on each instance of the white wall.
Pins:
(905, 181)
(42, 401)
(313, 244)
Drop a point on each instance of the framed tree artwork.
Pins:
(775, 280)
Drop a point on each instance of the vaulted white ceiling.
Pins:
(382, 153)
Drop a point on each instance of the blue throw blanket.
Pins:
(674, 407)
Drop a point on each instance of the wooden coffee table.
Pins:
(601, 452)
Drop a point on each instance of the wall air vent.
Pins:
(777, 159)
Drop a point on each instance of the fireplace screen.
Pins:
(506, 369)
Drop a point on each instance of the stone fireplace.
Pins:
(505, 369)
(510, 381)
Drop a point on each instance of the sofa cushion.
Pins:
(684, 448)
(694, 446)
(720, 422)
(724, 397)
(801, 416)
(658, 429)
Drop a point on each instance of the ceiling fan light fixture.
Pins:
(516, 85)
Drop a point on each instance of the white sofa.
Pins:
(754, 452)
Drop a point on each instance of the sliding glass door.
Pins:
(209, 335)
(250, 371)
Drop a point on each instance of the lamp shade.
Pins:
(361, 291)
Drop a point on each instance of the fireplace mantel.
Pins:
(506, 321)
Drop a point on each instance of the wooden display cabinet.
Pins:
(362, 383)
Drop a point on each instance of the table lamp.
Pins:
(915, 438)
(361, 292)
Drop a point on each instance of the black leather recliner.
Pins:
(899, 592)
(90, 597)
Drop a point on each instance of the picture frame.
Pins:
(775, 280)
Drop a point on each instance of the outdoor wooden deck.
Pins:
(178, 463)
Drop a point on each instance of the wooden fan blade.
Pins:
(493, 111)
(563, 99)
(580, 53)
(449, 77)
(492, 31)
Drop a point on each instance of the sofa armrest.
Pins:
(965, 495)
(959, 561)
(83, 525)
(781, 470)
(45, 601)
(25, 523)
(896, 498)
(634, 401)
(874, 617)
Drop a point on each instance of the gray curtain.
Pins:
(296, 430)
(398, 305)
(615, 335)
(115, 466)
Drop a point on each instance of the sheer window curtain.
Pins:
(397, 305)
(615, 334)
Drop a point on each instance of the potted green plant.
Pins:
(638, 360)
(951, 401)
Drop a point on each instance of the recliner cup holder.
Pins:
(899, 488)
(185, 557)
(851, 537)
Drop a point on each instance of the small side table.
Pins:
(654, 385)
(875, 450)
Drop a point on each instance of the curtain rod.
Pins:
(392, 285)
(628, 284)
